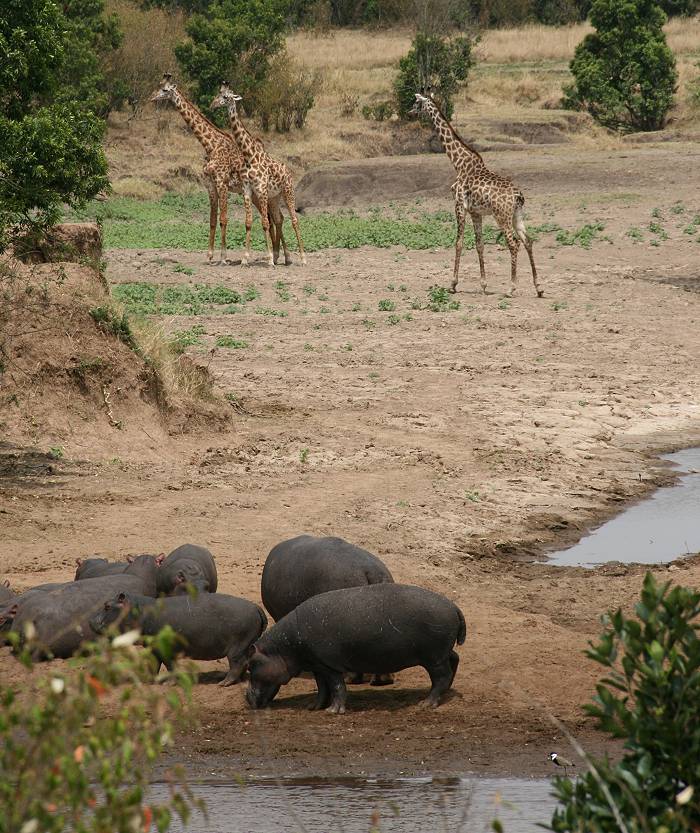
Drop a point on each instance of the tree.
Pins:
(79, 753)
(51, 154)
(624, 73)
(234, 41)
(651, 699)
(433, 64)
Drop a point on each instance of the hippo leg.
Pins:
(236, 666)
(441, 677)
(323, 697)
(339, 693)
(382, 679)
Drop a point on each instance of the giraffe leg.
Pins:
(223, 219)
(519, 225)
(291, 207)
(279, 221)
(461, 215)
(248, 222)
(479, 242)
(513, 245)
(265, 218)
(213, 210)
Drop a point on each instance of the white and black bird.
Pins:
(557, 759)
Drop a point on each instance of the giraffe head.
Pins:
(225, 98)
(166, 89)
(422, 105)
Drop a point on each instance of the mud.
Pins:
(459, 446)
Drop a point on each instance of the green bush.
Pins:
(651, 699)
(380, 111)
(624, 73)
(436, 64)
(287, 96)
(235, 41)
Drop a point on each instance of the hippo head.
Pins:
(189, 578)
(7, 616)
(114, 610)
(267, 673)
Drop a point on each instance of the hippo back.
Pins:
(95, 567)
(305, 566)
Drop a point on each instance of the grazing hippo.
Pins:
(6, 594)
(61, 613)
(380, 628)
(306, 566)
(188, 564)
(211, 626)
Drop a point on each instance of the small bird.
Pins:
(557, 759)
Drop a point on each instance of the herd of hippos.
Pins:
(338, 615)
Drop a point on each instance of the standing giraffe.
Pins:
(223, 169)
(480, 192)
(263, 176)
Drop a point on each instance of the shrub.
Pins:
(651, 699)
(436, 64)
(287, 95)
(235, 41)
(79, 748)
(624, 73)
(380, 111)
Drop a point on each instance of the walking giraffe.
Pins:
(223, 169)
(480, 192)
(263, 176)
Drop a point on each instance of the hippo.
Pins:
(97, 566)
(6, 594)
(187, 565)
(210, 626)
(61, 613)
(305, 566)
(380, 628)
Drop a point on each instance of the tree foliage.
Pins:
(51, 153)
(624, 72)
(78, 754)
(234, 41)
(434, 64)
(651, 699)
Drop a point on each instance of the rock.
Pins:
(75, 242)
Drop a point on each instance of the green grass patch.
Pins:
(231, 342)
(168, 299)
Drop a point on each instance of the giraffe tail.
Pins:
(520, 199)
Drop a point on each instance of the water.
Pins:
(405, 805)
(659, 529)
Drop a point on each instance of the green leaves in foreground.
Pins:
(651, 699)
(78, 746)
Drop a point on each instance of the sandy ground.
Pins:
(459, 446)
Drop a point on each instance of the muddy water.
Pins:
(659, 529)
(410, 805)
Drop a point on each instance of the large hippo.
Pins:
(211, 626)
(305, 566)
(61, 614)
(380, 628)
(187, 565)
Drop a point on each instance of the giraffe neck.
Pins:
(459, 154)
(203, 129)
(246, 143)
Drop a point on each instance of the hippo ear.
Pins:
(160, 558)
(12, 611)
(130, 559)
(251, 650)
(78, 562)
(6, 583)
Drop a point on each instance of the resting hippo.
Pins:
(381, 628)
(188, 564)
(61, 614)
(305, 566)
(6, 595)
(211, 626)
(95, 567)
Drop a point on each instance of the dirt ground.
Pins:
(459, 446)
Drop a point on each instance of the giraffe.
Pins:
(480, 192)
(263, 176)
(222, 171)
